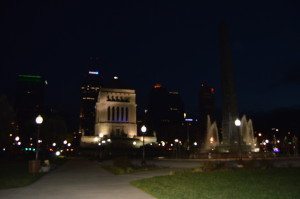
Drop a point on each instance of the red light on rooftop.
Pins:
(212, 90)
(157, 85)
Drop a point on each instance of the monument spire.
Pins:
(229, 102)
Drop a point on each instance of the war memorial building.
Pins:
(115, 115)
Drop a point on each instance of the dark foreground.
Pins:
(15, 174)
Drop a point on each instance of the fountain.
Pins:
(248, 141)
(212, 137)
(247, 133)
(236, 139)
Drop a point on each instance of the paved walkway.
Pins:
(82, 179)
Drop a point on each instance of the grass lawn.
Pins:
(15, 174)
(244, 183)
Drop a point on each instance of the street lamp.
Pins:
(237, 123)
(38, 121)
(143, 129)
(176, 142)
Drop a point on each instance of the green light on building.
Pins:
(30, 78)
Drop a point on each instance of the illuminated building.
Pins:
(115, 114)
(29, 102)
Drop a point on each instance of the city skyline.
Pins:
(149, 99)
(174, 44)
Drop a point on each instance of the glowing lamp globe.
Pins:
(144, 129)
(237, 122)
(17, 138)
(39, 119)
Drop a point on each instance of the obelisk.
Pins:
(229, 102)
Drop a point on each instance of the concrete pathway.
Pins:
(80, 178)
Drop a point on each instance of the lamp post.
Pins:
(143, 129)
(187, 121)
(38, 121)
(237, 123)
(176, 142)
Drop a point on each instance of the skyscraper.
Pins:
(157, 106)
(206, 107)
(165, 113)
(29, 102)
(88, 97)
(176, 107)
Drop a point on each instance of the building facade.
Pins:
(116, 113)
(115, 116)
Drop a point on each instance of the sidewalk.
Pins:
(80, 178)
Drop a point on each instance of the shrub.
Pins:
(122, 162)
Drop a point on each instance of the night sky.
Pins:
(173, 42)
